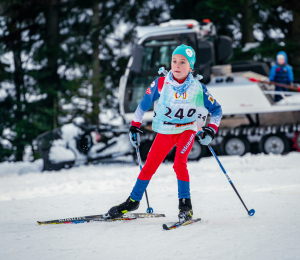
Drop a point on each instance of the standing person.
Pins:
(281, 73)
(182, 100)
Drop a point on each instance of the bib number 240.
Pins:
(180, 113)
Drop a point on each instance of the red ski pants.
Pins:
(161, 146)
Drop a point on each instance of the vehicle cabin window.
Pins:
(158, 53)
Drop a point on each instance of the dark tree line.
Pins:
(63, 64)
(62, 58)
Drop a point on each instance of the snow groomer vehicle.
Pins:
(252, 121)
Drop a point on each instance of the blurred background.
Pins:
(62, 60)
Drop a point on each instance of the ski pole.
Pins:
(251, 211)
(149, 210)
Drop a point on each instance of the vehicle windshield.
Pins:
(156, 54)
(135, 90)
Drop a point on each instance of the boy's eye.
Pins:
(182, 62)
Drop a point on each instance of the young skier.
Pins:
(281, 73)
(182, 106)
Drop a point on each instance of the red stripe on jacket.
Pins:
(160, 83)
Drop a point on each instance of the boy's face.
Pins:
(180, 66)
(280, 59)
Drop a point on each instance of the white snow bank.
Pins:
(270, 184)
(70, 131)
(7, 168)
(59, 153)
(65, 149)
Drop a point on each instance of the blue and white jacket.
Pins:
(176, 113)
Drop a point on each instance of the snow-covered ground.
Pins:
(269, 184)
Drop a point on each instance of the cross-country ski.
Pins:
(101, 217)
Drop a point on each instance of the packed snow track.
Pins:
(267, 183)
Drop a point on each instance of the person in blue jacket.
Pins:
(281, 73)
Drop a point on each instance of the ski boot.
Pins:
(185, 210)
(119, 210)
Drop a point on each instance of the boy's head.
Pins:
(281, 58)
(183, 60)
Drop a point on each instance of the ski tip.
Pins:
(251, 212)
(39, 222)
(165, 227)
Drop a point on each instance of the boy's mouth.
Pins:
(177, 71)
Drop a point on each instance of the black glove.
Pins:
(205, 136)
(134, 136)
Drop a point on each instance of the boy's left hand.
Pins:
(205, 136)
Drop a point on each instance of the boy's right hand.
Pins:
(134, 136)
(205, 136)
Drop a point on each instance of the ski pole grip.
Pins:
(201, 134)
